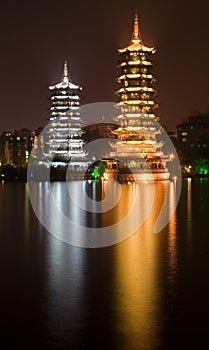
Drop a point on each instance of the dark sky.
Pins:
(36, 38)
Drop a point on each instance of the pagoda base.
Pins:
(114, 174)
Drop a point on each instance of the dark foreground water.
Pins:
(150, 291)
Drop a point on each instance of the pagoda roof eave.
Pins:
(65, 85)
(137, 47)
(135, 88)
(66, 81)
(141, 144)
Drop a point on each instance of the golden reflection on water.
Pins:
(139, 260)
(172, 244)
(189, 207)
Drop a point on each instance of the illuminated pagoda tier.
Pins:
(65, 130)
(138, 146)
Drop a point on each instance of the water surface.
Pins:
(151, 291)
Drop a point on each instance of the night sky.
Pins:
(38, 36)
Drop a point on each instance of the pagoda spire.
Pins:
(136, 42)
(66, 73)
(136, 27)
(136, 33)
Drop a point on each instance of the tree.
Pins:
(202, 166)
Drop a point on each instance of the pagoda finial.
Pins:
(136, 34)
(136, 27)
(136, 42)
(65, 73)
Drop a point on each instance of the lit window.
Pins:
(184, 133)
(184, 139)
(134, 70)
(144, 70)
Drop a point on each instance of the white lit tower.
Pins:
(65, 129)
(137, 134)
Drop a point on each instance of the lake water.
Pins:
(150, 291)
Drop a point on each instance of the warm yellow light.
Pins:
(106, 176)
(187, 168)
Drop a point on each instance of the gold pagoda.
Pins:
(138, 148)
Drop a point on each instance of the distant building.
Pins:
(97, 131)
(193, 138)
(15, 147)
(5, 147)
(173, 138)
